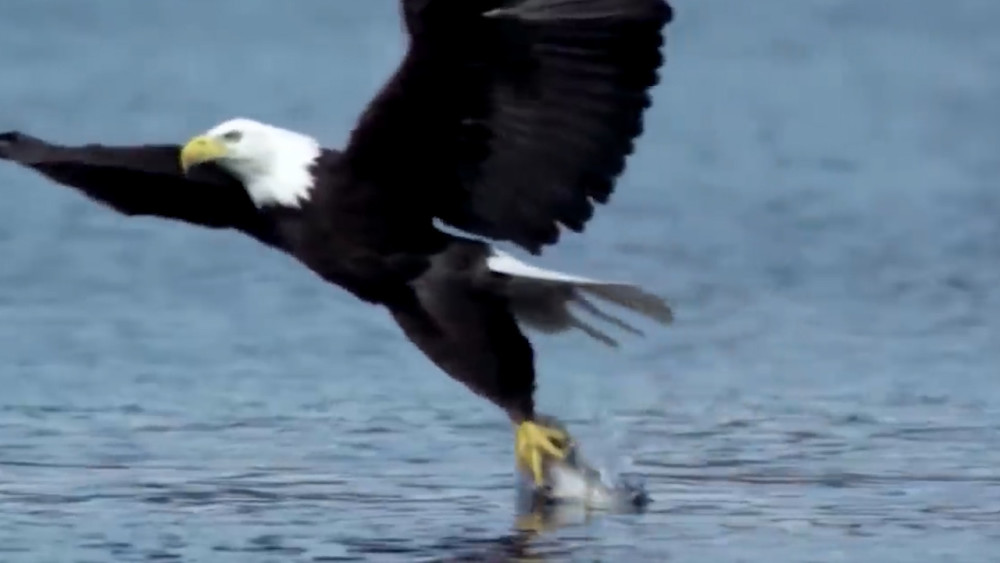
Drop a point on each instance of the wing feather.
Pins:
(508, 118)
(143, 180)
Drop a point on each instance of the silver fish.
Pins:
(573, 481)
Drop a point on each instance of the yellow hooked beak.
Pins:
(201, 149)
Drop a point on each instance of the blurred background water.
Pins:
(816, 193)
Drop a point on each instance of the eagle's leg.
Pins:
(476, 341)
(467, 328)
(537, 438)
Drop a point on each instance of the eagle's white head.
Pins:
(273, 163)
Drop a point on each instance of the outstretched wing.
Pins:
(143, 180)
(508, 117)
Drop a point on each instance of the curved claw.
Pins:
(533, 442)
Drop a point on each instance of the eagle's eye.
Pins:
(232, 136)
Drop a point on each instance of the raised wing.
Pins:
(143, 180)
(507, 118)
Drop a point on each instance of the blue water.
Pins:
(816, 193)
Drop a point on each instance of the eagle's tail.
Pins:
(542, 299)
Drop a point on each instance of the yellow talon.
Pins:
(533, 441)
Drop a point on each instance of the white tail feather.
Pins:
(541, 298)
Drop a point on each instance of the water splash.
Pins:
(575, 481)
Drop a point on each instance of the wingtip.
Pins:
(667, 13)
(7, 140)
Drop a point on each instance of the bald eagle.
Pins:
(507, 121)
